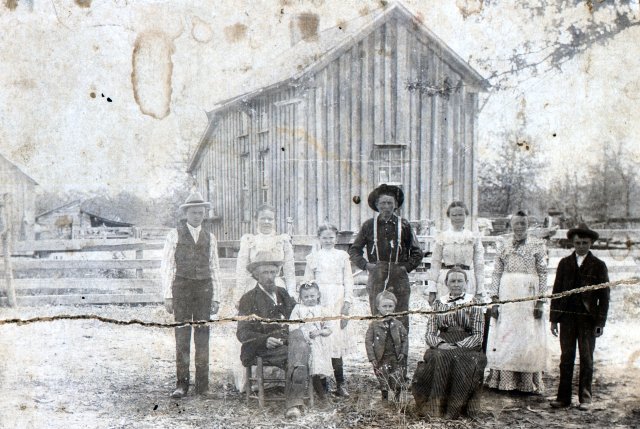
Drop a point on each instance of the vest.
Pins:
(192, 259)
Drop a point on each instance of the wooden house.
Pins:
(376, 100)
(20, 190)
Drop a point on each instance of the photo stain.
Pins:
(236, 32)
(83, 3)
(356, 199)
(155, 407)
(11, 4)
(308, 24)
(92, 94)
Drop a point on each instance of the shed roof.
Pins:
(306, 57)
(18, 169)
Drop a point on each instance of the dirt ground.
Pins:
(68, 374)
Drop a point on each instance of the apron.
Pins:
(518, 341)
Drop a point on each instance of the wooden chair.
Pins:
(260, 380)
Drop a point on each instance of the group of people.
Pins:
(472, 327)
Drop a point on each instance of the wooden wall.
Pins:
(22, 199)
(325, 135)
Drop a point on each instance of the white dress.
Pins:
(331, 270)
(457, 248)
(517, 342)
(320, 359)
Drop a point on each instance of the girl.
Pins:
(330, 268)
(316, 333)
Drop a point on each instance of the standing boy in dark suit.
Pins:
(581, 316)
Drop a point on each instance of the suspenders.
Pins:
(375, 244)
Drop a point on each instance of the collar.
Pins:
(580, 259)
(466, 298)
(393, 219)
(517, 243)
(273, 296)
(194, 230)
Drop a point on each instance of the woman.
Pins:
(449, 380)
(517, 342)
(280, 249)
(460, 248)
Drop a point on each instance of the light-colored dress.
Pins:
(280, 248)
(517, 341)
(331, 270)
(320, 363)
(462, 248)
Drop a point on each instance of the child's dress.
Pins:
(320, 346)
(331, 270)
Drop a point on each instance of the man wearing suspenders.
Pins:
(392, 249)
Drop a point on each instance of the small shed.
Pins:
(80, 218)
(380, 99)
(21, 203)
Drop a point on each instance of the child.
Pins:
(330, 268)
(387, 346)
(316, 334)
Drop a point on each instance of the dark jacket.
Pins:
(592, 304)
(376, 338)
(410, 252)
(253, 334)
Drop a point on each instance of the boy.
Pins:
(581, 316)
(387, 346)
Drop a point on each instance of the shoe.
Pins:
(202, 390)
(180, 392)
(559, 404)
(584, 406)
(341, 391)
(293, 413)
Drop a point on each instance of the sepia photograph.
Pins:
(319, 214)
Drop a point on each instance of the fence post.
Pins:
(5, 236)
(139, 255)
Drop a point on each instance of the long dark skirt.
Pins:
(448, 382)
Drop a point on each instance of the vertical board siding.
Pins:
(354, 173)
(329, 126)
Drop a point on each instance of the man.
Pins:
(190, 277)
(581, 316)
(272, 341)
(392, 249)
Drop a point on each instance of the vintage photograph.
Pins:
(319, 214)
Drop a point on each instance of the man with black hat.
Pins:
(273, 342)
(392, 249)
(190, 277)
(581, 316)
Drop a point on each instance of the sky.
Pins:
(112, 95)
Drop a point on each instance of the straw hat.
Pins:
(195, 200)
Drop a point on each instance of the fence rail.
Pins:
(80, 278)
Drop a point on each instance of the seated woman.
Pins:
(449, 381)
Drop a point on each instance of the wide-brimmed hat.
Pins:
(384, 189)
(263, 258)
(195, 200)
(584, 231)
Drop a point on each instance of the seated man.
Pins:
(271, 341)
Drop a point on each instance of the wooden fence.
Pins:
(127, 271)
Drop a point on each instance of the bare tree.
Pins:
(511, 181)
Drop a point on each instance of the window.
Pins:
(245, 199)
(211, 197)
(263, 174)
(390, 166)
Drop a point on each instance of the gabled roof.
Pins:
(307, 57)
(55, 209)
(16, 168)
